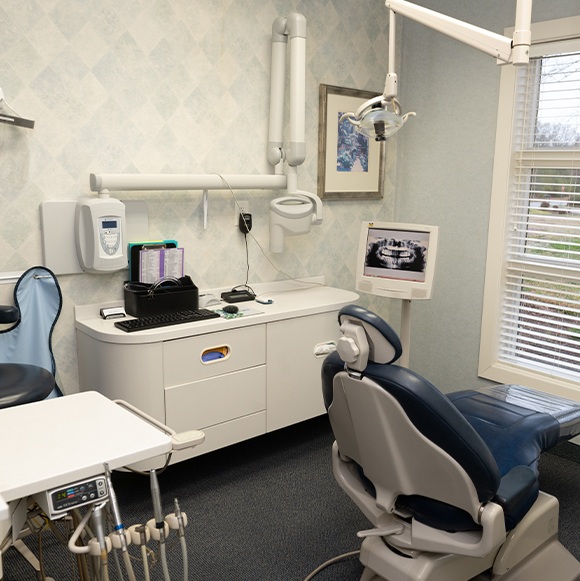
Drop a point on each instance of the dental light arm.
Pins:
(509, 50)
(381, 117)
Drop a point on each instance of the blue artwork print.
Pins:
(352, 149)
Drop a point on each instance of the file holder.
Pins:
(164, 296)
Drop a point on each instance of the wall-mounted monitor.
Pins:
(396, 260)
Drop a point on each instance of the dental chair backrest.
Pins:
(413, 446)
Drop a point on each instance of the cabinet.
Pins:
(268, 378)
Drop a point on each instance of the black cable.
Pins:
(247, 260)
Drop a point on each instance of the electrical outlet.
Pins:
(240, 207)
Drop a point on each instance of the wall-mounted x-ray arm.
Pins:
(381, 117)
(292, 30)
(295, 213)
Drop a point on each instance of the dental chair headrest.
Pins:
(366, 337)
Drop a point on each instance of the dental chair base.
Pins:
(548, 560)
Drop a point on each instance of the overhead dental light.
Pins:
(382, 116)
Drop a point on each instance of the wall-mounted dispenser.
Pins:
(100, 234)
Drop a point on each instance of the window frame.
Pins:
(553, 35)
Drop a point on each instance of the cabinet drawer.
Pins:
(182, 358)
(200, 404)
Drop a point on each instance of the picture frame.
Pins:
(351, 166)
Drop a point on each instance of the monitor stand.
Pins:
(405, 333)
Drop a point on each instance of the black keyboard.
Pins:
(166, 319)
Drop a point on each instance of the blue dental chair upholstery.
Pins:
(27, 366)
(450, 484)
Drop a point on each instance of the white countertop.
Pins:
(290, 299)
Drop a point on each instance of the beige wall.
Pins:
(171, 86)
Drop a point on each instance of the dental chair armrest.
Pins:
(516, 494)
(8, 314)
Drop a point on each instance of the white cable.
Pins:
(72, 546)
(140, 535)
(184, 553)
(178, 521)
(128, 566)
(164, 561)
(145, 563)
(330, 562)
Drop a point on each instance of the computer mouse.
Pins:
(230, 309)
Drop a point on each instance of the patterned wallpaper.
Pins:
(172, 86)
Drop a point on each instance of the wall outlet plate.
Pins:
(240, 207)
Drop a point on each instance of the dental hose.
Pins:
(100, 534)
(159, 521)
(181, 533)
(119, 527)
(143, 542)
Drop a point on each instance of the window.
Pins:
(531, 314)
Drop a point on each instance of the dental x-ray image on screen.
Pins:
(396, 260)
(396, 254)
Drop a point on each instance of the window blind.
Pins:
(540, 318)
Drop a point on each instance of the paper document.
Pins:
(156, 263)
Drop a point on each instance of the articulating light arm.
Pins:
(375, 119)
(381, 117)
(510, 50)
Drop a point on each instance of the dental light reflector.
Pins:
(378, 118)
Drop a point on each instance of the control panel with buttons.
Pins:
(57, 502)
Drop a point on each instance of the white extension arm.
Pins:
(144, 182)
(486, 41)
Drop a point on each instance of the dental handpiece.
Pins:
(119, 527)
(156, 498)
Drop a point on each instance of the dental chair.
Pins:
(449, 484)
(27, 366)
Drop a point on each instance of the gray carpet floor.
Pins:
(269, 510)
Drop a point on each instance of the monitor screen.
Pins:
(396, 260)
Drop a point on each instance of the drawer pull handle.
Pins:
(214, 354)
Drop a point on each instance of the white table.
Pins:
(59, 441)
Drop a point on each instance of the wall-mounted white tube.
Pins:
(277, 83)
(297, 28)
(147, 182)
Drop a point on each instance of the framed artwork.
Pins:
(351, 166)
